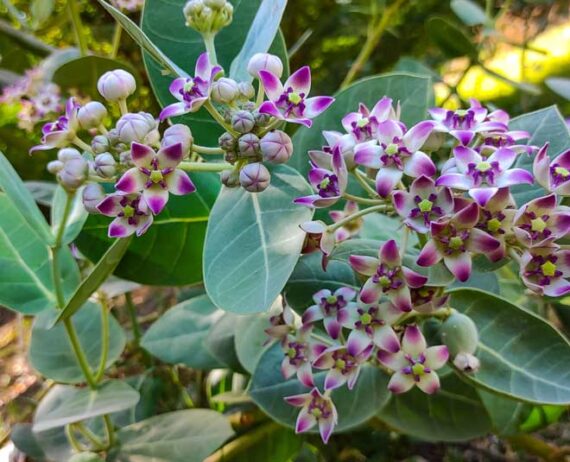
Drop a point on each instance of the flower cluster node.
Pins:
(208, 16)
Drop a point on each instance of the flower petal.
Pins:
(363, 264)
(389, 253)
(429, 254)
(316, 105)
(413, 341)
(312, 314)
(370, 292)
(334, 379)
(173, 110)
(326, 427)
(368, 154)
(514, 176)
(400, 383)
(387, 179)
(170, 156)
(179, 183)
(482, 242)
(305, 374)
(436, 356)
(203, 66)
(110, 205)
(455, 181)
(120, 227)
(332, 327)
(419, 164)
(386, 339)
(300, 80)
(305, 420)
(429, 383)
(132, 181)
(394, 361)
(141, 154)
(156, 198)
(418, 134)
(357, 342)
(459, 265)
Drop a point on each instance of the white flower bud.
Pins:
(230, 178)
(466, 362)
(246, 90)
(100, 144)
(276, 147)
(73, 174)
(248, 145)
(243, 121)
(91, 115)
(265, 62)
(105, 165)
(178, 133)
(116, 85)
(140, 127)
(254, 177)
(54, 166)
(225, 90)
(92, 195)
(67, 154)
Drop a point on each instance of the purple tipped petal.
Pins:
(305, 375)
(170, 156)
(363, 265)
(271, 84)
(270, 108)
(141, 154)
(483, 195)
(429, 255)
(297, 400)
(436, 356)
(429, 383)
(300, 80)
(455, 180)
(132, 181)
(414, 280)
(459, 265)
(386, 339)
(346, 292)
(401, 298)
(481, 242)
(315, 106)
(400, 383)
(463, 136)
(119, 227)
(173, 110)
(386, 180)
(418, 134)
(332, 327)
(394, 361)
(368, 154)
(382, 109)
(413, 341)
(334, 379)
(419, 164)
(156, 198)
(305, 421)
(110, 206)
(468, 216)
(389, 253)
(312, 314)
(514, 176)
(326, 427)
(370, 292)
(179, 183)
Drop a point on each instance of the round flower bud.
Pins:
(140, 127)
(276, 147)
(92, 195)
(246, 90)
(66, 154)
(265, 62)
(178, 133)
(91, 115)
(254, 177)
(73, 174)
(460, 334)
(230, 178)
(248, 145)
(224, 90)
(243, 121)
(105, 165)
(230, 157)
(54, 166)
(116, 85)
(466, 362)
(227, 142)
(100, 144)
(261, 119)
(126, 159)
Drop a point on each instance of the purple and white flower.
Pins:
(192, 92)
(387, 277)
(318, 238)
(482, 177)
(554, 176)
(300, 352)
(331, 308)
(342, 366)
(423, 204)
(289, 101)
(335, 140)
(155, 174)
(454, 239)
(414, 364)
(316, 410)
(546, 270)
(397, 153)
(282, 325)
(131, 212)
(428, 299)
(62, 132)
(363, 125)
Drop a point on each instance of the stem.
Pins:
(79, 354)
(442, 313)
(205, 167)
(109, 431)
(104, 339)
(362, 200)
(72, 440)
(116, 41)
(176, 380)
(361, 178)
(260, 94)
(75, 18)
(123, 106)
(57, 283)
(210, 47)
(206, 150)
(271, 126)
(133, 315)
(218, 117)
(94, 439)
(371, 42)
(360, 213)
(82, 144)
(27, 41)
(515, 256)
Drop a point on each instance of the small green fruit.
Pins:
(460, 334)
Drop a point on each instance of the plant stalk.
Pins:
(360, 213)
(104, 339)
(75, 18)
(205, 166)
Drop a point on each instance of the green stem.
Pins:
(260, 94)
(360, 213)
(362, 200)
(183, 392)
(116, 41)
(72, 440)
(123, 106)
(205, 167)
(206, 150)
(88, 434)
(133, 315)
(79, 354)
(270, 127)
(218, 118)
(109, 431)
(210, 47)
(82, 144)
(75, 17)
(57, 282)
(104, 339)
(361, 178)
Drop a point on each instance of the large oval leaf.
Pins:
(75, 220)
(521, 355)
(164, 24)
(181, 436)
(170, 252)
(268, 388)
(50, 350)
(412, 91)
(179, 335)
(253, 242)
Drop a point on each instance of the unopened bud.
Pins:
(100, 144)
(73, 174)
(243, 121)
(224, 90)
(246, 90)
(230, 178)
(466, 362)
(227, 142)
(116, 85)
(178, 133)
(92, 195)
(54, 166)
(66, 154)
(261, 119)
(215, 4)
(125, 158)
(254, 177)
(265, 62)
(105, 165)
(460, 334)
(140, 127)
(208, 16)
(230, 157)
(276, 147)
(248, 145)
(91, 115)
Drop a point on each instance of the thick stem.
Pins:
(205, 167)
(361, 178)
(123, 106)
(116, 41)
(210, 47)
(274, 124)
(72, 440)
(109, 431)
(88, 434)
(82, 144)
(362, 200)
(206, 150)
(360, 213)
(183, 392)
(79, 354)
(260, 94)
(218, 118)
(75, 18)
(104, 339)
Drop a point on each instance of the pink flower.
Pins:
(414, 364)
(131, 212)
(335, 140)
(62, 132)
(316, 410)
(363, 125)
(300, 352)
(342, 366)
(332, 308)
(387, 276)
(155, 174)
(554, 176)
(281, 325)
(546, 270)
(289, 101)
(192, 92)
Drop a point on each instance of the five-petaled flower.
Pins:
(318, 237)
(131, 212)
(282, 325)
(300, 352)
(453, 239)
(317, 409)
(546, 270)
(396, 152)
(363, 125)
(343, 367)
(155, 174)
(554, 176)
(331, 308)
(414, 364)
(192, 92)
(387, 277)
(289, 101)
(63, 131)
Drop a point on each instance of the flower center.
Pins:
(562, 171)
(188, 86)
(156, 176)
(494, 225)
(425, 206)
(538, 225)
(128, 211)
(455, 243)
(384, 281)
(294, 98)
(366, 319)
(548, 269)
(317, 413)
(391, 149)
(340, 364)
(483, 166)
(362, 122)
(418, 369)
(291, 352)
(331, 299)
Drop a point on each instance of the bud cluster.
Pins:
(208, 16)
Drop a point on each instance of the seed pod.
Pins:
(265, 62)
(116, 85)
(460, 334)
(467, 362)
(92, 195)
(91, 115)
(248, 145)
(254, 177)
(243, 121)
(100, 144)
(105, 165)
(224, 90)
(178, 133)
(276, 147)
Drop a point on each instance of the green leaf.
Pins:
(483, 280)
(383, 228)
(26, 282)
(541, 417)
(23, 201)
(102, 270)
(64, 404)
(544, 125)
(455, 413)
(170, 252)
(84, 72)
(412, 91)
(179, 335)
(260, 36)
(253, 242)
(164, 24)
(42, 191)
(560, 86)
(25, 441)
(41, 10)
(75, 220)
(506, 414)
(50, 350)
(220, 341)
(250, 338)
(308, 278)
(450, 39)
(86, 457)
(521, 355)
(54, 444)
(268, 388)
(181, 436)
(470, 13)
